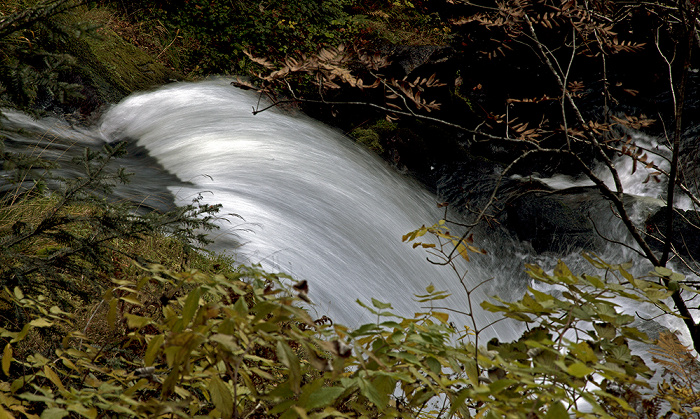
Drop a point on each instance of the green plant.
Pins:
(375, 136)
(53, 239)
(222, 30)
(189, 344)
(31, 69)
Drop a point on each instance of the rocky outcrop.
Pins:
(554, 221)
(686, 232)
(107, 68)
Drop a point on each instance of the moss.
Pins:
(375, 136)
(112, 65)
(368, 138)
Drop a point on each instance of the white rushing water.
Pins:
(309, 201)
(312, 203)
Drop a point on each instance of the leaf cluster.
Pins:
(189, 344)
(61, 237)
(212, 35)
(33, 71)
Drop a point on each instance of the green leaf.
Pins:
(18, 293)
(498, 385)
(289, 359)
(561, 270)
(323, 397)
(434, 365)
(378, 304)
(579, 369)
(54, 413)
(583, 352)
(605, 330)
(557, 411)
(51, 375)
(240, 307)
(112, 313)
(221, 396)
(370, 391)
(152, 350)
(663, 271)
(191, 305)
(136, 322)
(41, 322)
(227, 341)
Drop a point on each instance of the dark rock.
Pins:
(407, 58)
(553, 221)
(685, 237)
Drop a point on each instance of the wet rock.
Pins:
(554, 221)
(407, 58)
(686, 232)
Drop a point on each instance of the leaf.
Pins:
(221, 396)
(227, 341)
(290, 360)
(41, 322)
(370, 391)
(112, 313)
(54, 413)
(557, 411)
(191, 305)
(443, 317)
(579, 369)
(51, 375)
(499, 385)
(662, 271)
(324, 396)
(7, 359)
(562, 270)
(136, 322)
(378, 304)
(18, 293)
(153, 346)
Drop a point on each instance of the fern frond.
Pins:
(676, 359)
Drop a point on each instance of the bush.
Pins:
(219, 31)
(190, 344)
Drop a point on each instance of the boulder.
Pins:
(553, 221)
(686, 232)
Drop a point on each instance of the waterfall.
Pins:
(307, 200)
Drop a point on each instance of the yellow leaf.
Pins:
(443, 317)
(6, 359)
(221, 396)
(136, 322)
(51, 375)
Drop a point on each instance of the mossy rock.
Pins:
(111, 65)
(375, 135)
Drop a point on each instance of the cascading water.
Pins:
(309, 202)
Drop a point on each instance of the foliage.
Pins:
(192, 344)
(400, 23)
(219, 31)
(58, 243)
(375, 135)
(32, 71)
(568, 107)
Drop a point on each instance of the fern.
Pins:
(681, 372)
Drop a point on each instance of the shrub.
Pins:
(220, 31)
(191, 344)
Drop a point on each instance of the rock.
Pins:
(686, 232)
(109, 68)
(553, 221)
(407, 58)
